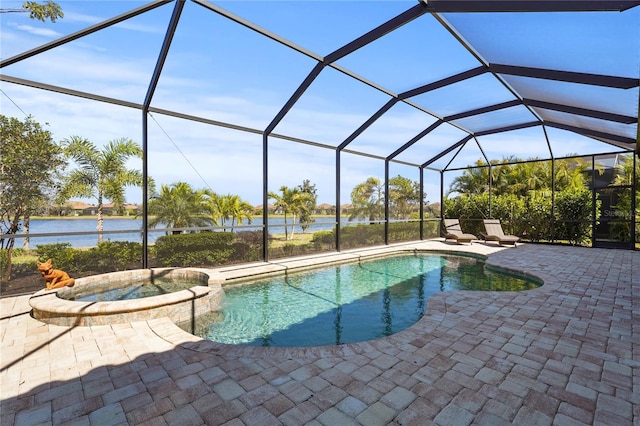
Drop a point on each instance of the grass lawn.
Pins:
(299, 239)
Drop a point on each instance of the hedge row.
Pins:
(202, 249)
(531, 217)
(369, 235)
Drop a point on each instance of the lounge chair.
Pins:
(494, 232)
(453, 231)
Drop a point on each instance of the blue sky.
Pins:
(222, 71)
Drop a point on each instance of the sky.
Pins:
(225, 72)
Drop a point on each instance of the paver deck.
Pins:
(567, 353)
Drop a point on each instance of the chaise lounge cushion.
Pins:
(453, 231)
(494, 232)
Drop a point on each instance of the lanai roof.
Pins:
(546, 68)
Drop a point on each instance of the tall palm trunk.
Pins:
(293, 226)
(100, 226)
(286, 230)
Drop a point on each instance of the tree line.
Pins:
(540, 199)
(368, 199)
(36, 172)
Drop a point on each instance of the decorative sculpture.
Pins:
(54, 278)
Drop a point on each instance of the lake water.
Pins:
(82, 232)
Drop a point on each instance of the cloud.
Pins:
(227, 160)
(75, 17)
(81, 18)
(44, 32)
(73, 66)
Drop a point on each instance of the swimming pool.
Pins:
(345, 303)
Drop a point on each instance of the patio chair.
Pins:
(453, 231)
(494, 232)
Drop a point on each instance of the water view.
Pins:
(128, 230)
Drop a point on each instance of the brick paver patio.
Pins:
(567, 353)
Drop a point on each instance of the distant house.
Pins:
(91, 210)
(259, 208)
(80, 208)
(109, 209)
(325, 208)
(132, 209)
(77, 208)
(346, 208)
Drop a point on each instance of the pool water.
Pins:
(346, 303)
(132, 290)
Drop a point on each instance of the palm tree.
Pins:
(624, 171)
(241, 210)
(513, 176)
(522, 178)
(404, 197)
(102, 174)
(624, 174)
(180, 206)
(306, 217)
(292, 201)
(233, 208)
(474, 180)
(368, 200)
(571, 174)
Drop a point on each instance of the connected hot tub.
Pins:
(179, 294)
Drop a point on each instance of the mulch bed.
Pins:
(22, 285)
(28, 284)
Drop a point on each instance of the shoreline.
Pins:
(139, 217)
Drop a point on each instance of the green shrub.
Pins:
(201, 249)
(62, 256)
(361, 235)
(116, 255)
(18, 269)
(431, 229)
(574, 216)
(324, 239)
(404, 231)
(289, 249)
(107, 256)
(19, 252)
(537, 224)
(4, 259)
(469, 209)
(510, 209)
(530, 216)
(248, 246)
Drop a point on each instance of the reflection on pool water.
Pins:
(345, 303)
(127, 290)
